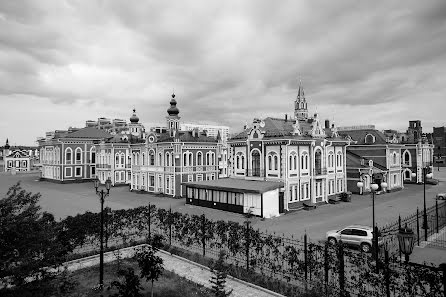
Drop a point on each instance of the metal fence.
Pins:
(330, 270)
(436, 222)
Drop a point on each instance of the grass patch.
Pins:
(80, 283)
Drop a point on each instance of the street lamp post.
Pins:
(373, 188)
(102, 194)
(425, 226)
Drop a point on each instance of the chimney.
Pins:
(286, 117)
(327, 124)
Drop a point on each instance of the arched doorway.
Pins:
(255, 163)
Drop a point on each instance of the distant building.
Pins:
(115, 126)
(10, 154)
(70, 156)
(211, 130)
(372, 145)
(439, 141)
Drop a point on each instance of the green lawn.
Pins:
(168, 285)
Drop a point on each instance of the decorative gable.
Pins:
(316, 128)
(256, 132)
(296, 128)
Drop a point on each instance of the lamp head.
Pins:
(108, 184)
(374, 187)
(383, 185)
(360, 184)
(414, 174)
(96, 183)
(429, 175)
(406, 240)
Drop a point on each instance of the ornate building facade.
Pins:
(168, 159)
(70, 156)
(302, 153)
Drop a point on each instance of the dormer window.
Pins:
(369, 139)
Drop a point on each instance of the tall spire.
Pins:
(300, 104)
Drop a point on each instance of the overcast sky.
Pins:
(360, 62)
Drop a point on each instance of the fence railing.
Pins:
(331, 269)
(436, 221)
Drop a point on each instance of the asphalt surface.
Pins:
(70, 199)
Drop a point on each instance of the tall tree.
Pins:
(150, 264)
(31, 241)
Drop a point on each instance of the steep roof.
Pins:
(359, 135)
(354, 160)
(278, 127)
(89, 133)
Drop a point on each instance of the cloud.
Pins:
(228, 61)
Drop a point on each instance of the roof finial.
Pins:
(173, 92)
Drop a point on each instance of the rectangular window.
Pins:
(68, 172)
(202, 193)
(78, 171)
(223, 197)
(199, 177)
(9, 164)
(209, 195)
(93, 171)
(151, 181)
(190, 178)
(239, 198)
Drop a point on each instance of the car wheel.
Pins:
(332, 240)
(365, 247)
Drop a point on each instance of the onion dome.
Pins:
(134, 118)
(173, 110)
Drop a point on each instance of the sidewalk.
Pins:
(190, 270)
(429, 253)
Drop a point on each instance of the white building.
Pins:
(211, 130)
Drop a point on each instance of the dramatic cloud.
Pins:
(361, 62)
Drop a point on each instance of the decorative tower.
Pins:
(6, 148)
(135, 128)
(300, 105)
(173, 120)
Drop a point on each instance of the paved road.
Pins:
(69, 199)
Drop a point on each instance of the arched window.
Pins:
(293, 161)
(339, 159)
(243, 162)
(330, 160)
(369, 139)
(255, 165)
(143, 159)
(185, 163)
(93, 155)
(68, 156)
(191, 161)
(160, 159)
(117, 160)
(151, 158)
(394, 157)
(199, 158)
(304, 161)
(167, 160)
(78, 154)
(407, 174)
(276, 162)
(406, 158)
(270, 162)
(122, 159)
(318, 162)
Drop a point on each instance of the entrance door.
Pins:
(281, 202)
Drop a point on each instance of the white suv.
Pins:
(360, 236)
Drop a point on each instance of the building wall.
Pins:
(270, 203)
